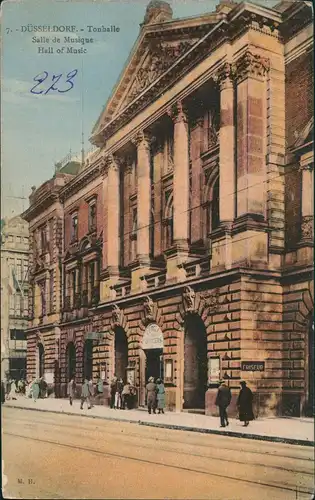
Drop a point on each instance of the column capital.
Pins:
(110, 162)
(141, 140)
(250, 65)
(178, 113)
(224, 76)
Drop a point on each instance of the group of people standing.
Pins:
(244, 403)
(121, 394)
(155, 395)
(11, 388)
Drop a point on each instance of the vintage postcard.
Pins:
(157, 234)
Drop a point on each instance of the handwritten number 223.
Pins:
(55, 80)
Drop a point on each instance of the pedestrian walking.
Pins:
(245, 404)
(223, 400)
(160, 395)
(2, 392)
(7, 388)
(125, 396)
(118, 398)
(42, 388)
(99, 387)
(13, 390)
(86, 394)
(151, 390)
(71, 390)
(92, 390)
(113, 385)
(35, 390)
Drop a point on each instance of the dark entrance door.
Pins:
(71, 358)
(41, 360)
(88, 358)
(121, 353)
(195, 362)
(154, 364)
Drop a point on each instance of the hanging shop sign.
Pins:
(152, 337)
(253, 366)
(213, 370)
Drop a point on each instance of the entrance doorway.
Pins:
(121, 353)
(41, 360)
(195, 363)
(71, 360)
(154, 366)
(88, 359)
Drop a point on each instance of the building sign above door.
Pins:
(152, 337)
(253, 366)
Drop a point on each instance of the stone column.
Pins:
(307, 169)
(250, 72)
(181, 176)
(143, 198)
(113, 216)
(227, 146)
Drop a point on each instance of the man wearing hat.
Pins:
(151, 391)
(223, 400)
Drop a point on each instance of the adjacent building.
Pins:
(183, 246)
(14, 296)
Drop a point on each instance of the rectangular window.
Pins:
(17, 334)
(74, 228)
(18, 239)
(43, 239)
(73, 286)
(92, 215)
(51, 291)
(133, 237)
(19, 269)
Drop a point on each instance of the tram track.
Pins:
(165, 464)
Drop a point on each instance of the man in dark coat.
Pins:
(86, 394)
(2, 392)
(113, 386)
(151, 390)
(245, 404)
(223, 400)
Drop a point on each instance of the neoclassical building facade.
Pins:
(183, 247)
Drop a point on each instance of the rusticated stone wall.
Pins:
(250, 319)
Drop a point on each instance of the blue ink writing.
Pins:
(57, 83)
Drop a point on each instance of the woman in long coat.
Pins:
(245, 404)
(35, 389)
(160, 396)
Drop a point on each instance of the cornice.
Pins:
(245, 17)
(81, 180)
(41, 204)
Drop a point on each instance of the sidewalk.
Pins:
(299, 431)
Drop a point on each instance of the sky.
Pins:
(39, 130)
